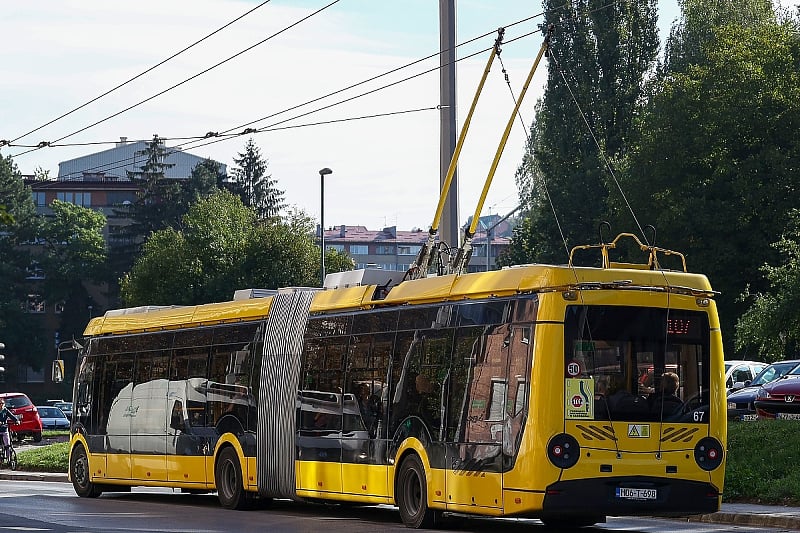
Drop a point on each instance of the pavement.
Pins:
(740, 514)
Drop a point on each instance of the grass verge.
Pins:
(49, 458)
(762, 462)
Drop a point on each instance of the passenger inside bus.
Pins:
(666, 397)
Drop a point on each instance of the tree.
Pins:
(771, 324)
(714, 167)
(19, 330)
(74, 249)
(255, 187)
(158, 204)
(604, 51)
(221, 247)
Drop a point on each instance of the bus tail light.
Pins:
(563, 450)
(708, 453)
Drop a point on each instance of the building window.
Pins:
(120, 197)
(78, 198)
(35, 304)
(408, 250)
(39, 199)
(59, 307)
(384, 249)
(34, 272)
(337, 247)
(359, 249)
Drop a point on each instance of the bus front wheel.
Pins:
(412, 495)
(81, 476)
(228, 474)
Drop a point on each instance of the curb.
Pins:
(782, 521)
(17, 475)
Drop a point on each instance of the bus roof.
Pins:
(497, 283)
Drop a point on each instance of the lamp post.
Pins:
(322, 173)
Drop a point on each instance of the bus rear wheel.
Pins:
(228, 475)
(81, 476)
(412, 495)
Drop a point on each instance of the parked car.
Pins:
(52, 417)
(738, 372)
(66, 407)
(740, 402)
(780, 398)
(30, 425)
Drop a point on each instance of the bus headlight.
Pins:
(563, 450)
(708, 453)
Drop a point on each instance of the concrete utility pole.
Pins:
(448, 230)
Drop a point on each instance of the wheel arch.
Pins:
(228, 440)
(410, 446)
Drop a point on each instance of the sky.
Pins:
(60, 54)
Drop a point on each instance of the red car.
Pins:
(780, 398)
(30, 425)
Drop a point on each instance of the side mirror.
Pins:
(57, 374)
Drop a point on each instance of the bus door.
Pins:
(148, 425)
(320, 415)
(476, 419)
(118, 387)
(188, 437)
(364, 463)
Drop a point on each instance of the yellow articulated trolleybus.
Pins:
(520, 392)
(566, 393)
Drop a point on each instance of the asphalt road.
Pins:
(49, 506)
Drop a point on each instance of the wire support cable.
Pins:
(173, 56)
(202, 72)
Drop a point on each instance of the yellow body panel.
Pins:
(469, 491)
(365, 480)
(187, 469)
(322, 477)
(149, 467)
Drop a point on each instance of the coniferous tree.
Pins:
(254, 186)
(158, 202)
(601, 53)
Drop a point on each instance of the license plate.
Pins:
(747, 418)
(789, 416)
(636, 494)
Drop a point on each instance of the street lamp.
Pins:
(322, 173)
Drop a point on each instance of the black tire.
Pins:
(411, 495)
(37, 437)
(228, 477)
(81, 476)
(12, 458)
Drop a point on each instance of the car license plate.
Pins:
(789, 416)
(746, 418)
(627, 493)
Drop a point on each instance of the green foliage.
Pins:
(50, 458)
(223, 247)
(714, 166)
(158, 204)
(74, 246)
(600, 53)
(18, 330)
(761, 463)
(771, 323)
(256, 188)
